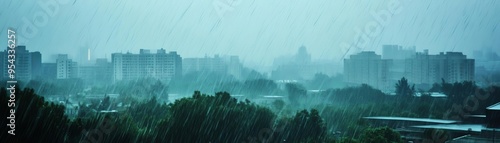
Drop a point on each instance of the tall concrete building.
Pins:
(159, 65)
(397, 52)
(66, 68)
(398, 55)
(206, 64)
(367, 68)
(99, 73)
(427, 69)
(235, 68)
(219, 64)
(421, 69)
(300, 66)
(28, 65)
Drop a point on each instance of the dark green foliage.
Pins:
(221, 118)
(259, 87)
(36, 120)
(158, 89)
(145, 88)
(295, 92)
(465, 95)
(436, 87)
(403, 88)
(63, 86)
(353, 95)
(305, 127)
(253, 75)
(205, 81)
(347, 140)
(278, 104)
(147, 114)
(218, 118)
(380, 135)
(105, 104)
(322, 82)
(105, 128)
(459, 90)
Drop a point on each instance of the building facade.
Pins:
(66, 68)
(421, 69)
(28, 65)
(367, 68)
(207, 64)
(159, 65)
(398, 55)
(99, 73)
(300, 66)
(428, 69)
(397, 52)
(235, 68)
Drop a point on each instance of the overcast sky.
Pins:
(256, 30)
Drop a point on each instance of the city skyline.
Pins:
(250, 28)
(395, 62)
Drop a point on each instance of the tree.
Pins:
(458, 91)
(105, 103)
(278, 104)
(158, 90)
(435, 88)
(35, 119)
(253, 75)
(357, 94)
(404, 89)
(295, 92)
(381, 135)
(219, 118)
(147, 113)
(260, 86)
(305, 126)
(322, 81)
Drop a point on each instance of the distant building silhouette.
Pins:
(299, 66)
(420, 69)
(367, 68)
(397, 52)
(159, 65)
(303, 57)
(427, 69)
(398, 55)
(28, 65)
(205, 64)
(219, 64)
(235, 67)
(66, 68)
(99, 73)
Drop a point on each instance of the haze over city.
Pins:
(257, 31)
(182, 71)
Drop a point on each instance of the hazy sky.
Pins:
(256, 30)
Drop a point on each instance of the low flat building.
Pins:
(475, 128)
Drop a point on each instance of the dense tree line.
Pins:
(200, 118)
(336, 117)
(35, 119)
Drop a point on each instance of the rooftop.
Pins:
(469, 139)
(455, 127)
(494, 107)
(438, 121)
